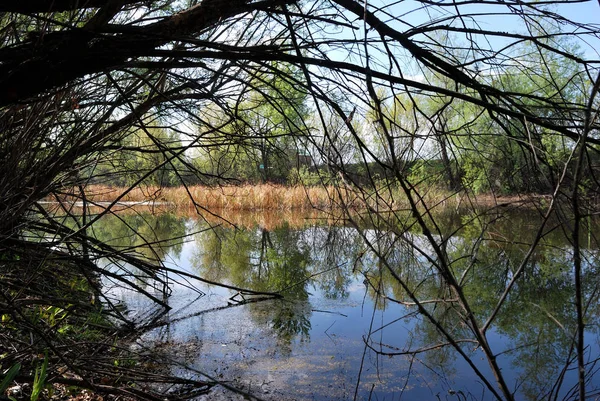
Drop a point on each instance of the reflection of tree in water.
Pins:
(538, 318)
(261, 260)
(537, 322)
(145, 235)
(281, 263)
(150, 235)
(333, 249)
(291, 320)
(221, 254)
(535, 325)
(381, 282)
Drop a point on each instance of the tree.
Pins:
(263, 135)
(524, 157)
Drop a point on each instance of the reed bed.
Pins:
(263, 197)
(243, 197)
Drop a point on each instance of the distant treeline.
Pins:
(502, 178)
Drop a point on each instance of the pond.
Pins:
(345, 328)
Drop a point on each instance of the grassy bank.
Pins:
(263, 197)
(243, 197)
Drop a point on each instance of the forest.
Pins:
(428, 126)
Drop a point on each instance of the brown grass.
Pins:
(269, 197)
(269, 219)
(244, 197)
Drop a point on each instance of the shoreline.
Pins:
(283, 198)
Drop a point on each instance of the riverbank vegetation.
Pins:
(395, 110)
(272, 197)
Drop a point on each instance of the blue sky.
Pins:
(413, 14)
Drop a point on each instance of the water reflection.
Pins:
(261, 260)
(345, 313)
(152, 236)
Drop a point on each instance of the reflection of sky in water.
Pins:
(324, 358)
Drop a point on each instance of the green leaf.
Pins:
(9, 377)
(39, 382)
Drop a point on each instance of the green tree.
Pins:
(265, 136)
(511, 155)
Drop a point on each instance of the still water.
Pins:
(345, 328)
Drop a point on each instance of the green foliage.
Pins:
(8, 377)
(265, 137)
(157, 156)
(395, 127)
(152, 155)
(236, 162)
(427, 173)
(305, 176)
(507, 155)
(39, 381)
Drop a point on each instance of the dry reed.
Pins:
(264, 197)
(244, 197)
